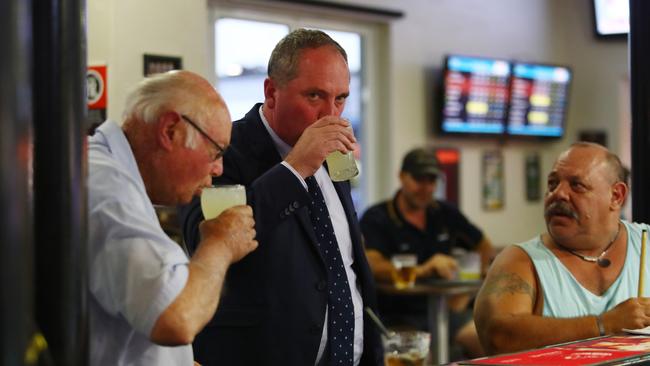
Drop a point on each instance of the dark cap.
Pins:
(421, 162)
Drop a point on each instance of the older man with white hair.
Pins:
(147, 299)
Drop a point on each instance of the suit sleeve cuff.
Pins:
(292, 170)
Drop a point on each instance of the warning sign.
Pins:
(96, 87)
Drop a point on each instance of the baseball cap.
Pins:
(421, 162)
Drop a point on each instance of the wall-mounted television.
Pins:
(475, 95)
(612, 18)
(538, 100)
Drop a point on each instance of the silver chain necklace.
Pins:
(599, 260)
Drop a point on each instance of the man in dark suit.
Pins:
(281, 304)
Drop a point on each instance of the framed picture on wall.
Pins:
(492, 180)
(533, 177)
(155, 64)
(596, 136)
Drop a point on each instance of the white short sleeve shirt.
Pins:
(135, 270)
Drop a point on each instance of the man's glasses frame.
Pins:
(220, 150)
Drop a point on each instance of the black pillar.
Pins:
(639, 44)
(15, 159)
(59, 177)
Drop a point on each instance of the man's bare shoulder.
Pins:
(512, 273)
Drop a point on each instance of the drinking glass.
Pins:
(404, 274)
(215, 200)
(469, 264)
(406, 348)
(342, 167)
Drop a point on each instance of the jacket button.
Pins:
(321, 285)
(286, 212)
(295, 204)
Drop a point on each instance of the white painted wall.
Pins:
(120, 32)
(553, 31)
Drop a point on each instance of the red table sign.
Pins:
(596, 351)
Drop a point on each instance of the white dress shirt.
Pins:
(135, 270)
(342, 233)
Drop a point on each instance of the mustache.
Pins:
(560, 208)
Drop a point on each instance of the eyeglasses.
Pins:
(220, 150)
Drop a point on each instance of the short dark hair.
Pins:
(283, 64)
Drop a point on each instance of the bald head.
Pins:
(593, 153)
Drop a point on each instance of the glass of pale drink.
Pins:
(469, 264)
(404, 274)
(406, 348)
(215, 200)
(342, 167)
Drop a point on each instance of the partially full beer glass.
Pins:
(342, 167)
(215, 200)
(404, 274)
(407, 348)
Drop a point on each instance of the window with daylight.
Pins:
(242, 50)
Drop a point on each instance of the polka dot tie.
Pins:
(340, 309)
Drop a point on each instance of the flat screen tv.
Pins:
(612, 18)
(538, 100)
(475, 95)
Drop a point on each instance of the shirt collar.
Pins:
(396, 216)
(111, 135)
(282, 147)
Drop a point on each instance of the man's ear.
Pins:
(402, 176)
(619, 195)
(269, 93)
(168, 130)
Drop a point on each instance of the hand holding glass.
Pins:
(215, 200)
(342, 167)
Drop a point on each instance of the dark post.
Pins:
(639, 44)
(16, 264)
(59, 177)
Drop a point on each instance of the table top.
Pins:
(433, 287)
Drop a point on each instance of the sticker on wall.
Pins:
(96, 87)
(96, 97)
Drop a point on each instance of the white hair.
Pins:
(170, 91)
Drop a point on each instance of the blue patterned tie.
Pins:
(340, 309)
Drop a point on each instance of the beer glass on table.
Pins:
(406, 348)
(404, 274)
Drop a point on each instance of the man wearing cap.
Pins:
(414, 222)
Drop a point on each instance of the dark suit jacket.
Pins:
(273, 303)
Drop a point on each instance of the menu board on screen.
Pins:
(538, 100)
(475, 95)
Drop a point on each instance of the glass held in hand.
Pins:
(342, 167)
(214, 200)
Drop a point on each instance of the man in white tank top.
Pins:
(580, 278)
